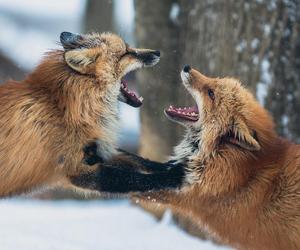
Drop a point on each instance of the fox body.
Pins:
(232, 174)
(68, 100)
(242, 180)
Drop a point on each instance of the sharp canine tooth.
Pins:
(141, 98)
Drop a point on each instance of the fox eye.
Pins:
(211, 94)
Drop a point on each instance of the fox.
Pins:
(232, 174)
(69, 99)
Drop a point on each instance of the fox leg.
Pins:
(93, 156)
(124, 177)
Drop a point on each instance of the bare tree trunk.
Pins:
(283, 54)
(160, 85)
(256, 41)
(99, 16)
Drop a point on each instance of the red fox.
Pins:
(70, 99)
(232, 173)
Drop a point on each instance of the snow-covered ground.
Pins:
(88, 225)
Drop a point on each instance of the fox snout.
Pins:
(193, 78)
(147, 57)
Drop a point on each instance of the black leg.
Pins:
(123, 179)
(151, 166)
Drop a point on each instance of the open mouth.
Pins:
(185, 114)
(130, 97)
(189, 114)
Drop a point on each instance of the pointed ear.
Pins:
(240, 135)
(81, 60)
(69, 40)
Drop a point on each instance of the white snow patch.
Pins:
(79, 225)
(30, 28)
(241, 46)
(45, 8)
(25, 46)
(130, 125)
(261, 92)
(174, 13)
(254, 43)
(265, 71)
(124, 15)
(267, 29)
(265, 81)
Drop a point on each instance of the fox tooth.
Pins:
(141, 99)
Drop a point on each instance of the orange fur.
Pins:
(242, 186)
(70, 99)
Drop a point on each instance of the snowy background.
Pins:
(82, 225)
(28, 28)
(255, 41)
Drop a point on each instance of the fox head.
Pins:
(227, 116)
(108, 58)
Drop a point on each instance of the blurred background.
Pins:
(256, 41)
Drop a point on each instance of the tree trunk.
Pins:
(160, 85)
(283, 54)
(257, 42)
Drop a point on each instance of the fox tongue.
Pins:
(130, 97)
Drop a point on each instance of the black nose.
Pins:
(157, 53)
(187, 68)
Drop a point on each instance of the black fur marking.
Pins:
(148, 165)
(146, 57)
(70, 41)
(91, 155)
(125, 179)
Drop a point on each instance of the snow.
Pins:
(265, 81)
(124, 16)
(241, 46)
(88, 225)
(261, 92)
(45, 8)
(174, 13)
(30, 28)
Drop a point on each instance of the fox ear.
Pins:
(240, 135)
(69, 40)
(81, 60)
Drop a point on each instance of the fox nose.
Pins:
(187, 68)
(157, 53)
